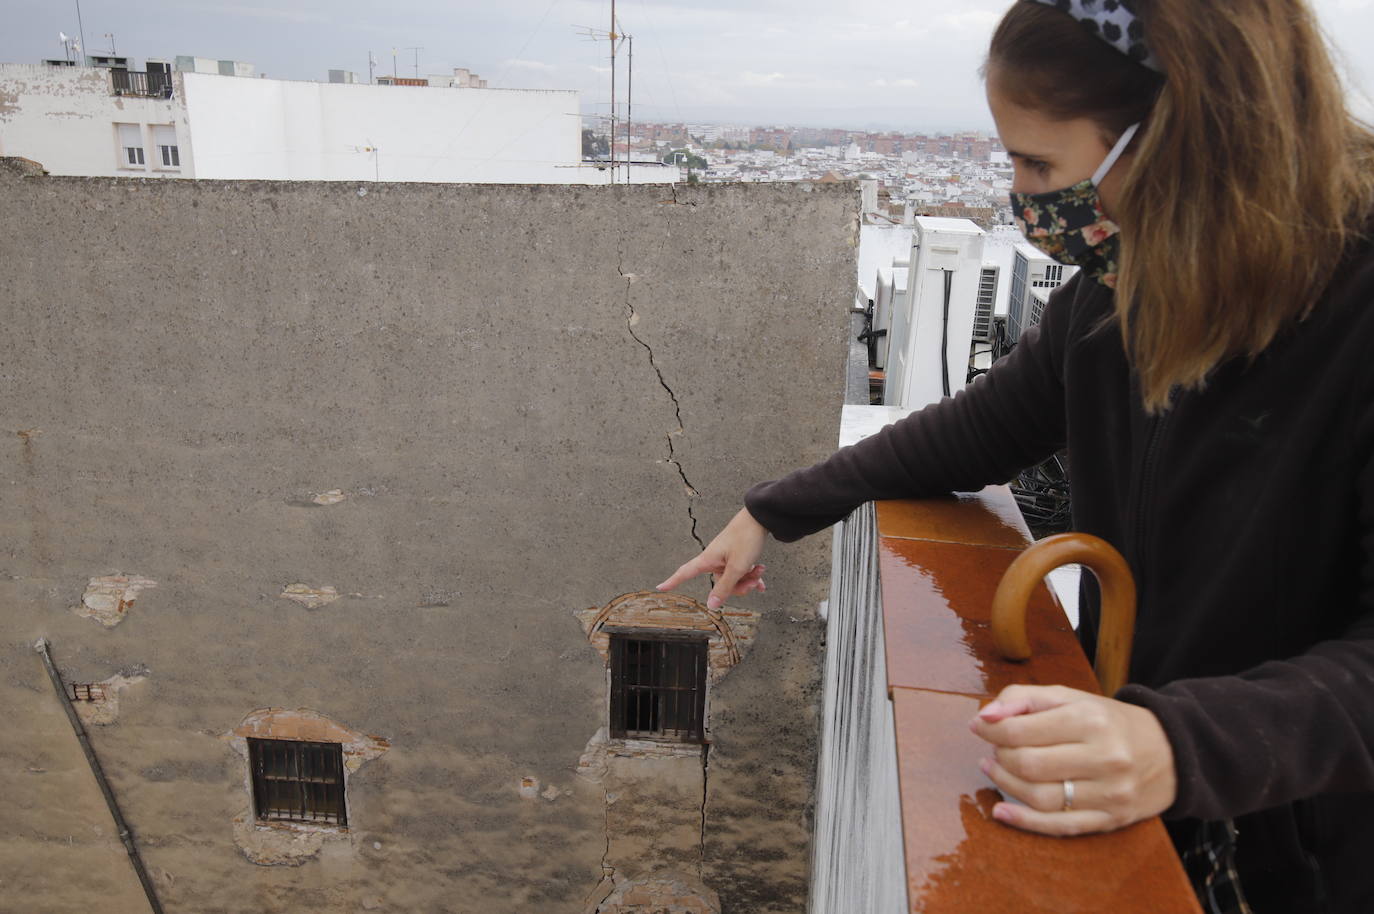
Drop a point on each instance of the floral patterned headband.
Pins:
(1115, 22)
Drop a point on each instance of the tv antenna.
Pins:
(81, 32)
(70, 46)
(616, 38)
(417, 60)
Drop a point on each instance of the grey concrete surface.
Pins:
(494, 377)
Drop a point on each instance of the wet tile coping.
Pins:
(940, 561)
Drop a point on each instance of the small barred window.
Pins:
(298, 781)
(658, 688)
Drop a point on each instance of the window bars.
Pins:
(658, 688)
(298, 781)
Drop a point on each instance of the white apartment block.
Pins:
(189, 123)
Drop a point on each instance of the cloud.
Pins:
(971, 20)
(750, 78)
(903, 83)
(262, 12)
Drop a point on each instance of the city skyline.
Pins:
(862, 66)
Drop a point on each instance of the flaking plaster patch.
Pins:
(279, 843)
(108, 598)
(9, 105)
(310, 597)
(332, 497)
(293, 843)
(102, 707)
(595, 760)
(662, 892)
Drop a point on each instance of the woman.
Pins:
(1207, 371)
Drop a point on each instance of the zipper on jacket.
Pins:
(1145, 492)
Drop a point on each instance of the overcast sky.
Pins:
(842, 63)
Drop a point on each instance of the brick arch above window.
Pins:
(305, 724)
(730, 632)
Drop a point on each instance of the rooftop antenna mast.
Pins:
(595, 34)
(81, 31)
(417, 60)
(110, 35)
(615, 39)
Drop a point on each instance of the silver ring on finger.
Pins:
(1068, 795)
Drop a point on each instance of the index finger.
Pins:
(686, 571)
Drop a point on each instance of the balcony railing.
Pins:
(157, 84)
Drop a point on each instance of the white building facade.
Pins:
(86, 121)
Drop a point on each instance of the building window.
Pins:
(658, 688)
(131, 146)
(297, 781)
(165, 138)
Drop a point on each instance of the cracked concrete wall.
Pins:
(518, 402)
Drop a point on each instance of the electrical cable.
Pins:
(944, 334)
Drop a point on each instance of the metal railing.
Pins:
(157, 84)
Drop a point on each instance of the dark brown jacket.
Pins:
(1247, 515)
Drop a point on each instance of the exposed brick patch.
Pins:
(108, 598)
(731, 631)
(302, 723)
(97, 703)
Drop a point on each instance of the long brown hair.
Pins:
(1250, 178)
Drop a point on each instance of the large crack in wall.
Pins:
(705, 774)
(631, 319)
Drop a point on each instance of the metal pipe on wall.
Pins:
(126, 835)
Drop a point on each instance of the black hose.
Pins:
(944, 335)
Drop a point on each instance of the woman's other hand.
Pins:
(731, 557)
(1116, 755)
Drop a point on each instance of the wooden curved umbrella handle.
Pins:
(1117, 629)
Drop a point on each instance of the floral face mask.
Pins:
(1070, 225)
